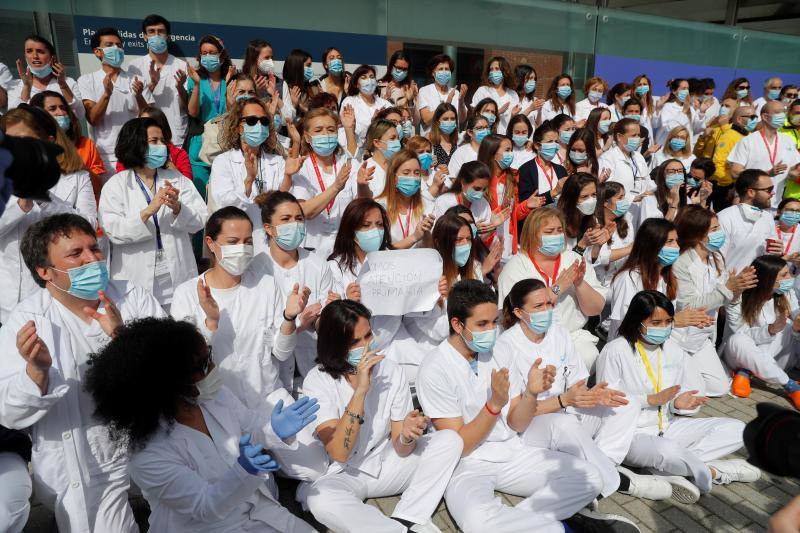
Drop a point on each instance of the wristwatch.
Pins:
(556, 289)
(578, 249)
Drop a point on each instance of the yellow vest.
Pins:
(723, 146)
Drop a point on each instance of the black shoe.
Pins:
(588, 521)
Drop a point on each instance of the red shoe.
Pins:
(794, 397)
(741, 386)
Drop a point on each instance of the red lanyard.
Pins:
(780, 236)
(548, 281)
(548, 173)
(774, 148)
(405, 231)
(319, 179)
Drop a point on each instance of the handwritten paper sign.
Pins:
(396, 282)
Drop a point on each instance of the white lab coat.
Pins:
(228, 173)
(585, 106)
(630, 171)
(194, 483)
(623, 288)
(310, 271)
(133, 242)
(71, 194)
(672, 116)
(746, 232)
(165, 93)
(15, 94)
(604, 268)
(364, 113)
(752, 151)
(448, 388)
(463, 154)
(549, 111)
(660, 156)
(511, 98)
(77, 470)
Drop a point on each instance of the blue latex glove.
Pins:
(288, 422)
(251, 458)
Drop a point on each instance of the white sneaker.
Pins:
(729, 470)
(683, 490)
(428, 527)
(649, 487)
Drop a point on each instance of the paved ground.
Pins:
(736, 507)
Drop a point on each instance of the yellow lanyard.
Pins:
(656, 382)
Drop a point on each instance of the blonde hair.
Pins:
(687, 149)
(418, 142)
(229, 136)
(374, 133)
(70, 161)
(315, 113)
(390, 192)
(530, 238)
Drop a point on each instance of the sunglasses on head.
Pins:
(252, 120)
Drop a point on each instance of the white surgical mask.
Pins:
(265, 66)
(235, 258)
(208, 387)
(587, 206)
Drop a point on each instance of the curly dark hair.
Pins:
(142, 375)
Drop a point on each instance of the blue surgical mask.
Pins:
(774, 94)
(408, 187)
(370, 240)
(368, 86)
(474, 228)
(778, 120)
(277, 121)
(496, 76)
(564, 92)
(354, 356)
(335, 66)
(692, 183)
(540, 322)
(472, 195)
(742, 93)
(751, 124)
(480, 134)
(566, 135)
(86, 281)
(324, 145)
(790, 218)
(442, 77)
(447, 126)
(578, 157)
(552, 245)
(633, 143)
(490, 117)
(290, 235)
(548, 150)
(677, 144)
(308, 72)
(682, 94)
(255, 135)
(461, 253)
(716, 239)
(156, 155)
(657, 336)
(603, 126)
(667, 256)
(157, 44)
(595, 96)
(785, 286)
(723, 111)
(674, 179)
(519, 140)
(642, 90)
(622, 207)
(41, 72)
(425, 161)
(392, 147)
(505, 162)
(634, 116)
(63, 121)
(113, 56)
(399, 75)
(530, 86)
(210, 62)
(245, 96)
(482, 341)
(408, 129)
(399, 128)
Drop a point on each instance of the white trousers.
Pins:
(555, 486)
(310, 460)
(15, 492)
(337, 500)
(766, 361)
(711, 378)
(687, 445)
(601, 435)
(586, 346)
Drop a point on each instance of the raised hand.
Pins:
(155, 75)
(332, 297)
(137, 86)
(32, 348)
(443, 287)
(208, 304)
(110, 320)
(535, 201)
(500, 385)
(287, 422)
(503, 108)
(252, 459)
(344, 175)
(24, 72)
(540, 379)
(192, 73)
(425, 225)
(414, 425)
(493, 257)
(693, 317)
(296, 302)
(59, 72)
(108, 85)
(293, 165)
(745, 279)
(309, 315)
(580, 272)
(369, 359)
(180, 78)
(365, 174)
(348, 117)
(231, 73)
(294, 95)
(353, 292)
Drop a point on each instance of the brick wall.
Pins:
(547, 66)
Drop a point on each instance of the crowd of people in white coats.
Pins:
(608, 265)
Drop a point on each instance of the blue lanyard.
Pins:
(216, 95)
(634, 168)
(159, 244)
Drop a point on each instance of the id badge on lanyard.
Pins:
(148, 199)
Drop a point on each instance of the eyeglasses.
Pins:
(740, 87)
(253, 120)
(771, 188)
(790, 95)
